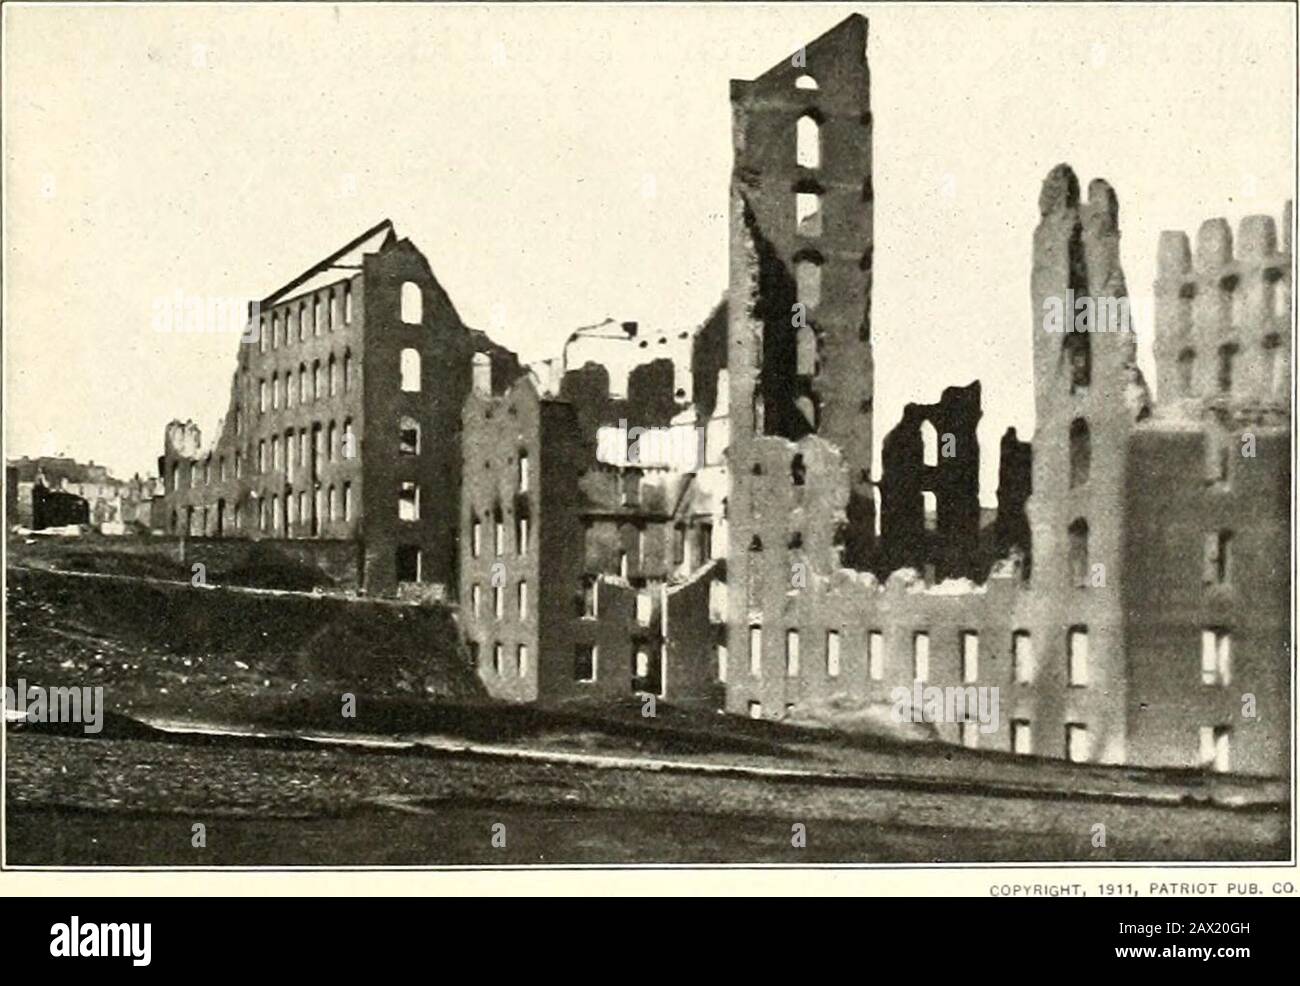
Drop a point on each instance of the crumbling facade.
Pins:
(343, 421)
(1123, 614)
(694, 514)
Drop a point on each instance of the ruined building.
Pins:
(344, 419)
(694, 514)
(1129, 602)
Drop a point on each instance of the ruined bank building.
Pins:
(694, 514)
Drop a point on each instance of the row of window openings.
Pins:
(1275, 368)
(499, 600)
(276, 514)
(281, 389)
(1216, 656)
(1217, 556)
(1274, 294)
(499, 665)
(314, 383)
(282, 323)
(586, 665)
(326, 444)
(499, 536)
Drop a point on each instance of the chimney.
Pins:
(630, 329)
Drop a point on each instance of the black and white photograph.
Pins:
(851, 440)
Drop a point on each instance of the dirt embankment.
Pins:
(221, 652)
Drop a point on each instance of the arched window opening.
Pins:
(410, 370)
(929, 444)
(808, 142)
(805, 82)
(808, 281)
(930, 510)
(808, 213)
(412, 303)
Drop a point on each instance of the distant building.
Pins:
(113, 505)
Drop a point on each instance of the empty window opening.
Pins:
(1077, 349)
(347, 501)
(805, 81)
(808, 142)
(756, 651)
(1218, 551)
(589, 602)
(808, 213)
(876, 655)
(704, 543)
(808, 282)
(412, 303)
(1077, 646)
(755, 710)
(720, 654)
(929, 444)
(523, 471)
(1216, 657)
(930, 510)
(1022, 657)
(1216, 748)
(1022, 737)
(585, 658)
(1077, 746)
(498, 658)
(1227, 360)
(408, 501)
(1078, 535)
(498, 601)
(476, 599)
(521, 599)
(792, 653)
(498, 532)
(521, 660)
(476, 537)
(798, 471)
(521, 534)
(410, 371)
(1274, 366)
(921, 656)
(970, 656)
(408, 436)
(832, 653)
(1080, 452)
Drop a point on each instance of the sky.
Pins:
(563, 164)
